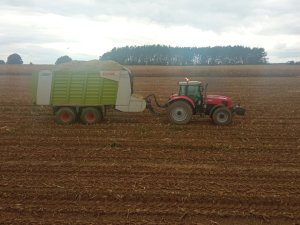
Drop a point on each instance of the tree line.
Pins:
(166, 55)
(17, 59)
(13, 59)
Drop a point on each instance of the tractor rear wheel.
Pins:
(180, 112)
(65, 116)
(90, 115)
(222, 116)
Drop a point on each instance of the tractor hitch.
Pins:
(149, 103)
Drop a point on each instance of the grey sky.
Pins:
(41, 31)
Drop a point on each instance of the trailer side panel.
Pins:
(70, 88)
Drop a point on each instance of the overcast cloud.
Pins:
(41, 31)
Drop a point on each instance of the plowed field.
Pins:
(136, 168)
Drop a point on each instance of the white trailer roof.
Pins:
(90, 66)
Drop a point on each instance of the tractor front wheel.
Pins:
(222, 116)
(90, 115)
(180, 112)
(65, 115)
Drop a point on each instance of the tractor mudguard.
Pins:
(184, 98)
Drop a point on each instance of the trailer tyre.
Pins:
(180, 112)
(65, 116)
(222, 116)
(90, 115)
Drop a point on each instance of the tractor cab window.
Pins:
(194, 92)
(182, 90)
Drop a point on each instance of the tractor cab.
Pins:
(192, 89)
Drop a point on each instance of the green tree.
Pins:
(63, 59)
(14, 59)
(2, 61)
(167, 55)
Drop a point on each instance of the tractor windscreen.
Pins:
(182, 90)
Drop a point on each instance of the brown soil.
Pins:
(136, 168)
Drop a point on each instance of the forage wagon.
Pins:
(85, 90)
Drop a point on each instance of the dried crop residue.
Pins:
(136, 168)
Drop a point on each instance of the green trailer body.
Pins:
(86, 84)
(79, 85)
(82, 89)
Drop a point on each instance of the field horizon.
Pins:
(157, 70)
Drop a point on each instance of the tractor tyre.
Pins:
(90, 115)
(222, 116)
(65, 116)
(180, 112)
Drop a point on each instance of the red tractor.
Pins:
(192, 100)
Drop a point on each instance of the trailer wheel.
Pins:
(222, 116)
(65, 115)
(180, 112)
(90, 115)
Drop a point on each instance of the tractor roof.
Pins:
(192, 82)
(90, 66)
